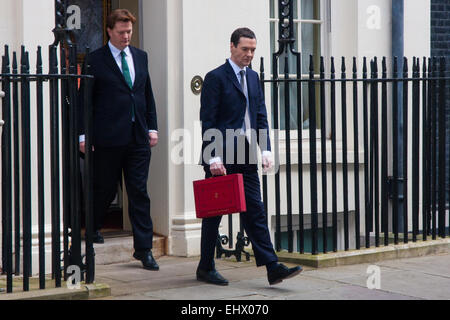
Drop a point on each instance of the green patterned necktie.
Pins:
(127, 76)
(126, 70)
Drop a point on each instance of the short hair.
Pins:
(241, 32)
(119, 15)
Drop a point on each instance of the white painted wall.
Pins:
(199, 37)
(185, 38)
(30, 23)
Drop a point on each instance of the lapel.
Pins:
(112, 64)
(232, 76)
(137, 66)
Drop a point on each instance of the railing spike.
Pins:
(365, 65)
(332, 66)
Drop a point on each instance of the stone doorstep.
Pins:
(120, 249)
(364, 255)
(85, 292)
(114, 250)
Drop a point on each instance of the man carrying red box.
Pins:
(234, 123)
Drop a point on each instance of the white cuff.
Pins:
(151, 131)
(266, 153)
(82, 138)
(215, 160)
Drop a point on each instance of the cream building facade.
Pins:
(188, 38)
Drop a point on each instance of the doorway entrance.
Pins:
(88, 23)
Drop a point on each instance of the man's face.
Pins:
(243, 54)
(120, 36)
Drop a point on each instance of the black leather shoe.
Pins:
(97, 237)
(212, 277)
(282, 272)
(147, 260)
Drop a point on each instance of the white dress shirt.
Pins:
(237, 71)
(129, 58)
(118, 58)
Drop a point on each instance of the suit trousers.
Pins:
(134, 161)
(254, 221)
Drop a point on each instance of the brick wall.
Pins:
(440, 47)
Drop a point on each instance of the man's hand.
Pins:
(267, 162)
(83, 147)
(217, 169)
(153, 139)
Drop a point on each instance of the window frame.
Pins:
(322, 43)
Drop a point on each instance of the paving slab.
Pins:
(203, 292)
(287, 288)
(402, 279)
(154, 284)
(349, 292)
(434, 265)
(346, 272)
(410, 283)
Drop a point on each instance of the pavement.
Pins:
(420, 278)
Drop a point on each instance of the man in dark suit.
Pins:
(125, 130)
(234, 122)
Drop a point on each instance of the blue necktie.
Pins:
(246, 125)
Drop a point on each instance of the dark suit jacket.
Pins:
(223, 106)
(112, 100)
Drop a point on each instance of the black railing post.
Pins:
(405, 150)
(323, 149)
(26, 169)
(356, 155)
(55, 182)
(6, 174)
(313, 155)
(442, 146)
(40, 157)
(287, 120)
(88, 176)
(66, 164)
(333, 154)
(415, 149)
(344, 152)
(425, 153)
(301, 236)
(17, 182)
(384, 155)
(433, 119)
(275, 88)
(367, 189)
(301, 248)
(395, 153)
(74, 160)
(264, 177)
(374, 148)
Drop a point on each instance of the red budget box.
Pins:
(219, 196)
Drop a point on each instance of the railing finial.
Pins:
(61, 32)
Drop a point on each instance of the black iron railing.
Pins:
(384, 101)
(382, 193)
(59, 98)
